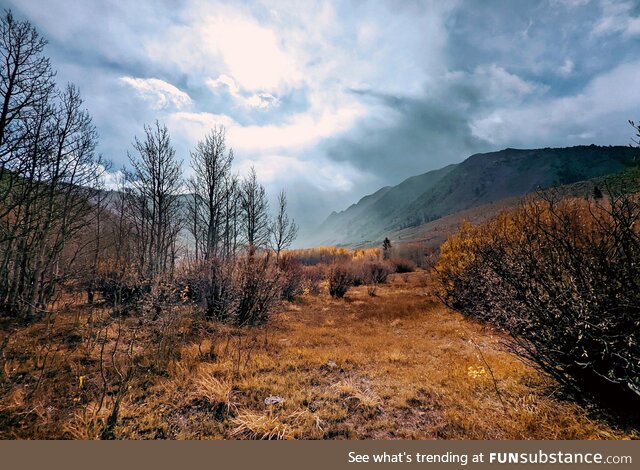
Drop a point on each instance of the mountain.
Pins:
(481, 179)
(370, 214)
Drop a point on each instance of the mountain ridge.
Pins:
(480, 179)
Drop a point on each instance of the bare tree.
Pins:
(49, 204)
(97, 240)
(231, 214)
(26, 86)
(254, 212)
(194, 209)
(211, 190)
(153, 206)
(26, 80)
(636, 128)
(283, 230)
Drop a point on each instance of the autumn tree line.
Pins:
(210, 238)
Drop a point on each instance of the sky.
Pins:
(332, 100)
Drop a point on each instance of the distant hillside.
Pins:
(480, 180)
(371, 214)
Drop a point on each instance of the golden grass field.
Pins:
(398, 365)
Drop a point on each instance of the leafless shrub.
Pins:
(217, 288)
(340, 280)
(258, 285)
(368, 270)
(292, 278)
(402, 265)
(312, 277)
(377, 272)
(120, 356)
(359, 273)
(118, 289)
(563, 277)
(241, 291)
(161, 319)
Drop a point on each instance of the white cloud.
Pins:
(501, 85)
(489, 128)
(159, 93)
(224, 80)
(617, 18)
(111, 180)
(313, 52)
(293, 134)
(223, 38)
(255, 146)
(320, 173)
(255, 100)
(252, 53)
(582, 136)
(262, 100)
(567, 67)
(297, 132)
(194, 126)
(570, 3)
(588, 114)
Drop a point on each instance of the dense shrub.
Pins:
(258, 289)
(117, 289)
(562, 276)
(402, 265)
(217, 288)
(292, 278)
(242, 291)
(377, 272)
(340, 280)
(312, 276)
(369, 270)
(359, 274)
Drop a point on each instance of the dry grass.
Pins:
(397, 365)
(355, 395)
(213, 390)
(271, 425)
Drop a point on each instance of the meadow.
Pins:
(396, 365)
(164, 301)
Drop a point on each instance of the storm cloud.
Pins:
(332, 100)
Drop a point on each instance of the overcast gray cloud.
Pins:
(332, 100)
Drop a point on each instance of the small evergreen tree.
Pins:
(597, 193)
(386, 248)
